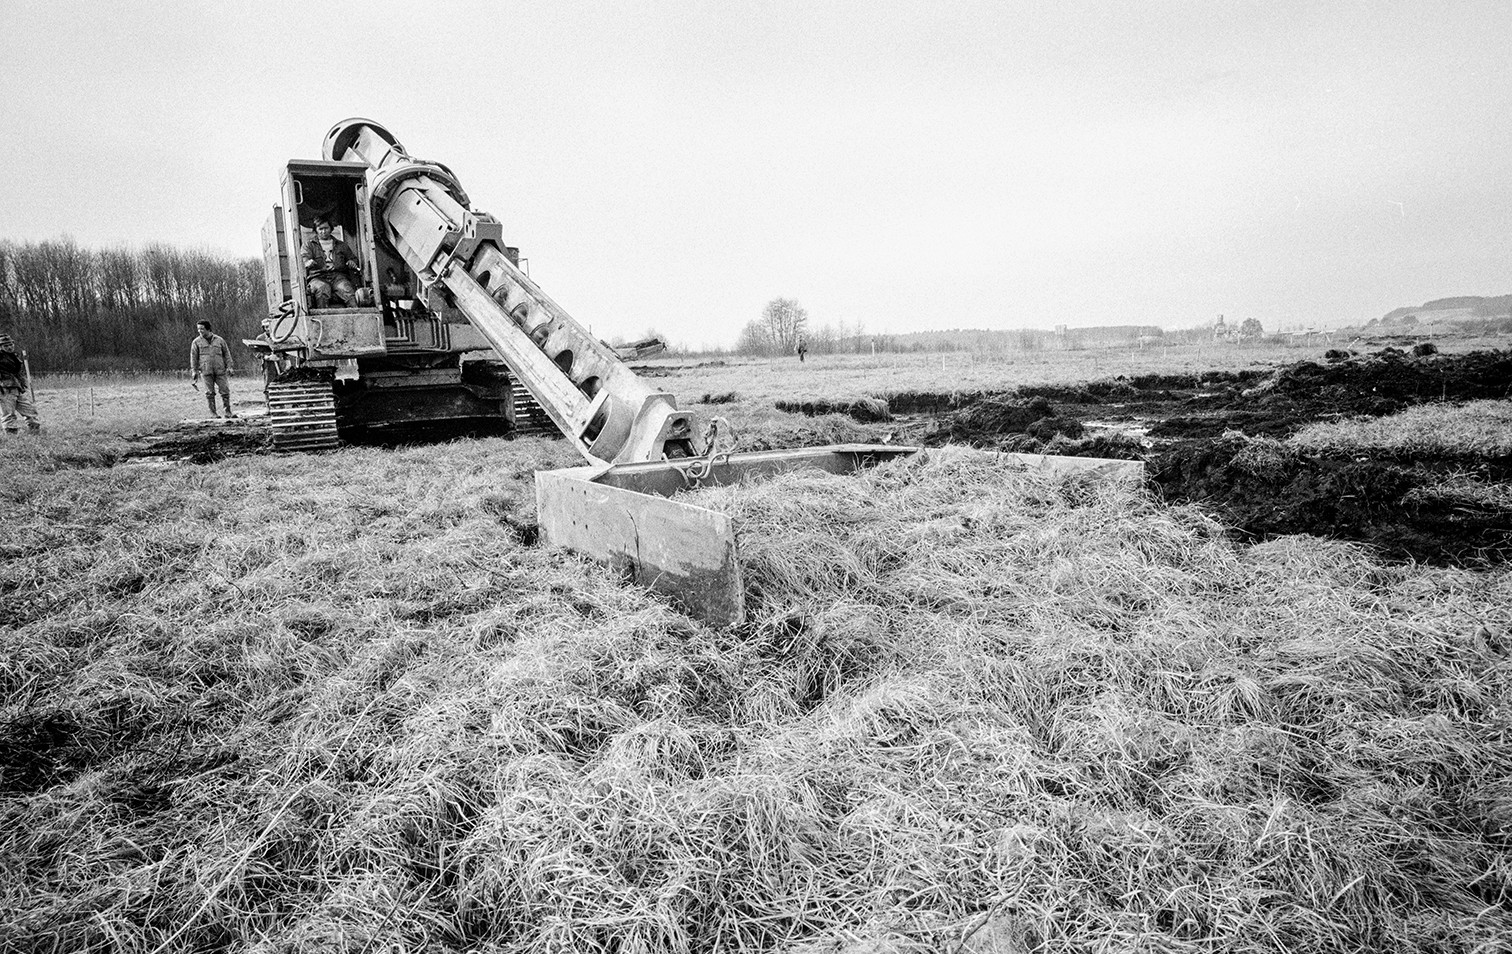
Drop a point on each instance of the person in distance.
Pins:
(15, 391)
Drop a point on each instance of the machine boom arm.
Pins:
(608, 412)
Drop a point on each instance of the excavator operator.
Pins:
(331, 265)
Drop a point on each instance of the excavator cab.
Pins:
(312, 191)
(329, 191)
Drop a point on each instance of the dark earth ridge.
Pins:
(1385, 501)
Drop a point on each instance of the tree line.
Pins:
(122, 309)
(784, 322)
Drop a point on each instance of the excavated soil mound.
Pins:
(1394, 503)
(935, 402)
(988, 419)
(866, 410)
(1374, 385)
(1397, 375)
(1178, 423)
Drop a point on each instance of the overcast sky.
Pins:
(903, 165)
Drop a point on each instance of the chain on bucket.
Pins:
(719, 443)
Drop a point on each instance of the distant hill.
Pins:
(1461, 308)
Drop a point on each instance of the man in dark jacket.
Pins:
(15, 391)
(330, 264)
(210, 359)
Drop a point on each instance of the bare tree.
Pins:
(784, 321)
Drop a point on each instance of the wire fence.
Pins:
(76, 378)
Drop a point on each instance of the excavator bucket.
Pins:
(628, 516)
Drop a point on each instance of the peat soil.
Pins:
(1195, 433)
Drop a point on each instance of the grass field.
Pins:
(1477, 428)
(125, 405)
(91, 415)
(338, 702)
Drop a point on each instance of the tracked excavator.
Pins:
(443, 323)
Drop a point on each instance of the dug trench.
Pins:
(1219, 439)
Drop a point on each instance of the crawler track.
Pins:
(529, 417)
(302, 416)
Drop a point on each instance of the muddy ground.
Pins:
(1190, 429)
(207, 442)
(199, 443)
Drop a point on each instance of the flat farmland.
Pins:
(848, 377)
(344, 701)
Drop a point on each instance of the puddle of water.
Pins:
(1132, 430)
(1124, 428)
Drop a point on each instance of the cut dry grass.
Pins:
(333, 703)
(1467, 491)
(1475, 428)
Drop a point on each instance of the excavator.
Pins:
(444, 324)
(435, 287)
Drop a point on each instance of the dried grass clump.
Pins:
(1264, 457)
(1474, 428)
(1464, 490)
(334, 704)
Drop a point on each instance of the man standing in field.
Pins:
(15, 391)
(210, 360)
